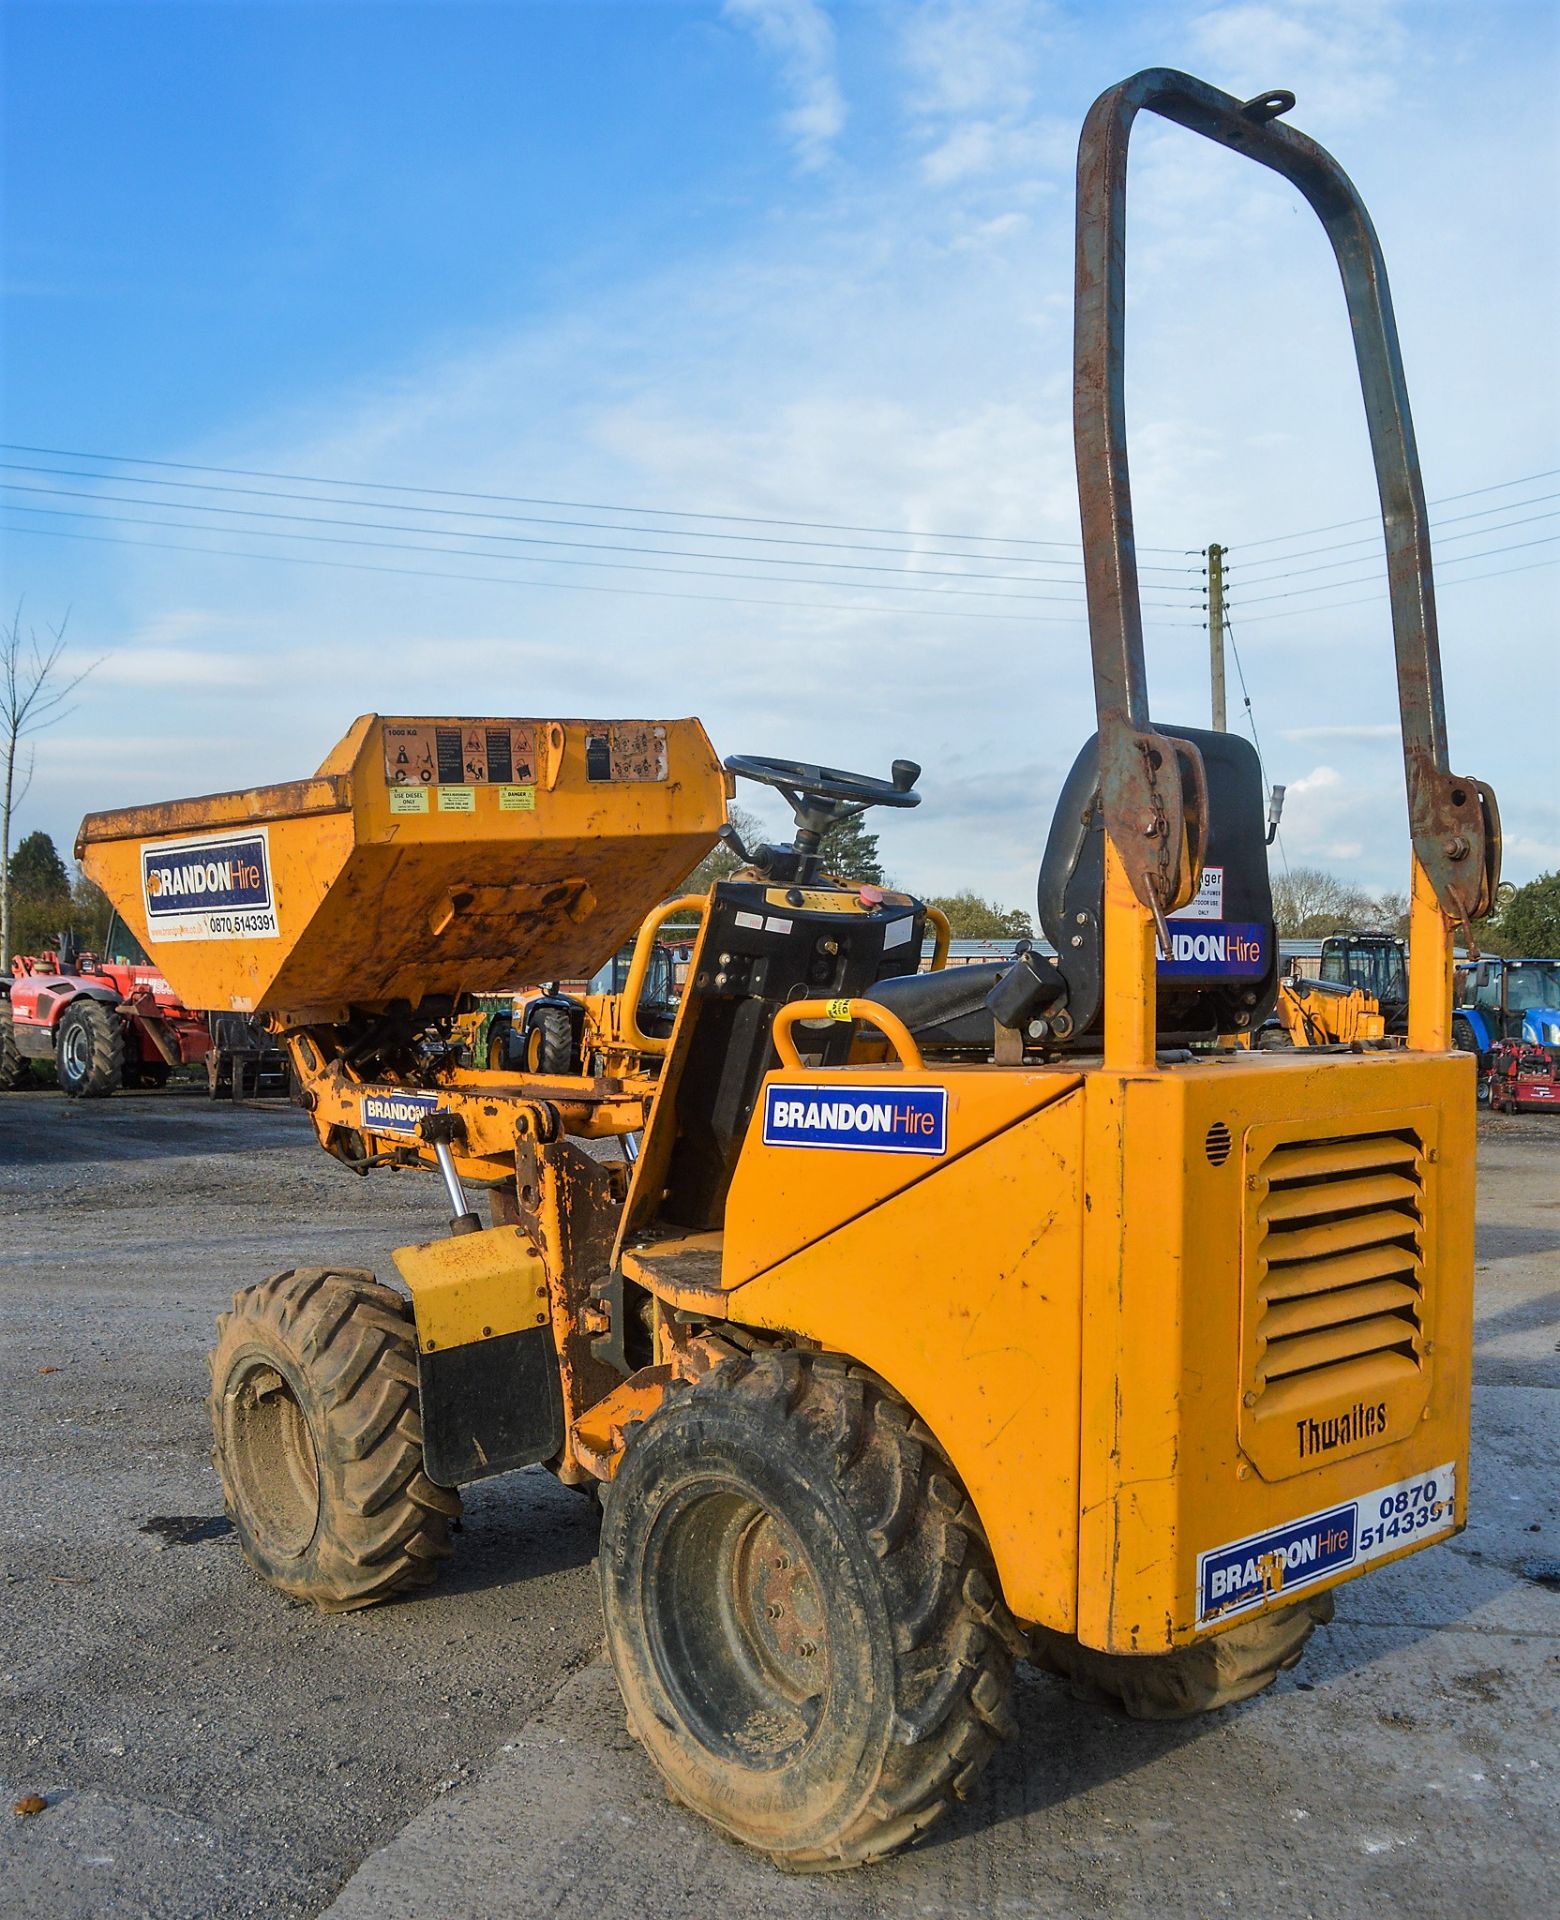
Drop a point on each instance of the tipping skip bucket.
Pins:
(425, 857)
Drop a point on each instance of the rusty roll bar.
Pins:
(1454, 822)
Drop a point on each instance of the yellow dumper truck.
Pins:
(906, 1322)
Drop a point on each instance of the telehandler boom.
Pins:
(916, 1321)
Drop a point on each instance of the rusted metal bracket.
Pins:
(1454, 823)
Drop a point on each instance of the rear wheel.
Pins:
(802, 1612)
(1214, 1673)
(15, 1071)
(549, 1041)
(318, 1440)
(89, 1050)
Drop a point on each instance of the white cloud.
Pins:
(974, 68)
(1343, 58)
(178, 669)
(800, 36)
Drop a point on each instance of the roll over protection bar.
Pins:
(1454, 822)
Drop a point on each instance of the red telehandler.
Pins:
(106, 1020)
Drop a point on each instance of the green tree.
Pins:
(850, 852)
(36, 867)
(40, 894)
(1529, 922)
(971, 918)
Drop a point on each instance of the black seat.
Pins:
(946, 1009)
(1222, 976)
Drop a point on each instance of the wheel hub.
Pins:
(776, 1602)
(740, 1629)
(271, 1458)
(74, 1048)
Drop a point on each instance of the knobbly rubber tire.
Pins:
(500, 1037)
(1214, 1673)
(15, 1070)
(317, 1437)
(882, 1566)
(549, 1042)
(1272, 1040)
(89, 1051)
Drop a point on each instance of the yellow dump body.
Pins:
(427, 856)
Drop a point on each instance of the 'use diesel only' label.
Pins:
(1286, 1560)
(859, 1119)
(217, 887)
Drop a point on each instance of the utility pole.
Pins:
(1216, 634)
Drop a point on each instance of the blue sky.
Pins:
(774, 259)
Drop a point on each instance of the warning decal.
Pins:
(460, 753)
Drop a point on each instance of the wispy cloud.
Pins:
(974, 68)
(1343, 57)
(800, 36)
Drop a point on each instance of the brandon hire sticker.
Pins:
(397, 1112)
(859, 1119)
(1287, 1559)
(217, 887)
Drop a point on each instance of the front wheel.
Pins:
(89, 1050)
(318, 1440)
(802, 1612)
(15, 1070)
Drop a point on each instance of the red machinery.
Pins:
(106, 1021)
(1523, 1077)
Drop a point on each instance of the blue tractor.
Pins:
(1500, 1001)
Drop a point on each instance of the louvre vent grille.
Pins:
(1340, 1275)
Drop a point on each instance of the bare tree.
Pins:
(33, 693)
(1309, 902)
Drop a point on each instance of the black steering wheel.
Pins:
(830, 784)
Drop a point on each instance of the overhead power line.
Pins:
(1376, 599)
(578, 586)
(543, 500)
(544, 559)
(512, 539)
(1445, 500)
(1374, 539)
(540, 520)
(1331, 586)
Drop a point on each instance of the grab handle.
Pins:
(1454, 822)
(892, 1028)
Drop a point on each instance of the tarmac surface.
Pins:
(205, 1749)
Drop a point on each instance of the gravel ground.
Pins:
(206, 1749)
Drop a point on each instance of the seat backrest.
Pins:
(1222, 975)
